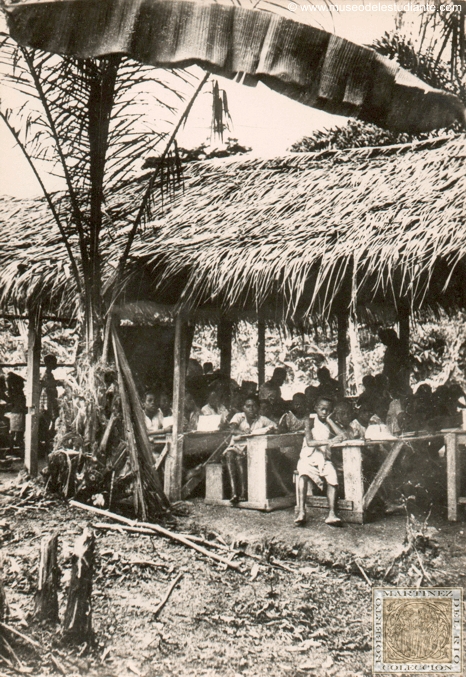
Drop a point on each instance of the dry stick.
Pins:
(46, 598)
(168, 593)
(11, 651)
(363, 573)
(195, 539)
(107, 433)
(157, 529)
(28, 640)
(120, 528)
(424, 572)
(57, 664)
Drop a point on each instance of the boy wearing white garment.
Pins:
(315, 463)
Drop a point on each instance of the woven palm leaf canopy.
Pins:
(297, 235)
(310, 65)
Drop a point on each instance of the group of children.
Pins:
(13, 409)
(321, 413)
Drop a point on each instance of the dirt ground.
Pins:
(310, 614)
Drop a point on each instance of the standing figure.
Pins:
(245, 423)
(48, 404)
(17, 410)
(396, 361)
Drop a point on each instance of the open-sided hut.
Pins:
(279, 239)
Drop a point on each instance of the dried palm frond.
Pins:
(299, 234)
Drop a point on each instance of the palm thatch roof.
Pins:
(308, 232)
(299, 234)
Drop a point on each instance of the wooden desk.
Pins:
(453, 440)
(258, 465)
(354, 506)
(195, 444)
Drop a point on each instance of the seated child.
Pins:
(247, 422)
(315, 463)
(294, 420)
(165, 404)
(191, 414)
(214, 407)
(153, 415)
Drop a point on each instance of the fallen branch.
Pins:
(11, 651)
(58, 665)
(167, 595)
(121, 529)
(28, 640)
(157, 529)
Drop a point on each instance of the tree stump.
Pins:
(46, 599)
(77, 625)
(3, 604)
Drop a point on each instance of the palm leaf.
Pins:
(300, 61)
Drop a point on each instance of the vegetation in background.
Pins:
(426, 65)
(438, 348)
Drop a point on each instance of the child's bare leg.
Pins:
(302, 492)
(240, 465)
(332, 499)
(231, 469)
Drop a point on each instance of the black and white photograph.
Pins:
(232, 338)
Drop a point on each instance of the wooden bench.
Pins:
(353, 507)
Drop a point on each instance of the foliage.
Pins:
(438, 347)
(357, 134)
(203, 152)
(425, 64)
(88, 121)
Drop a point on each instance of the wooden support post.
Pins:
(77, 625)
(403, 327)
(355, 350)
(453, 476)
(261, 351)
(32, 396)
(342, 350)
(174, 460)
(224, 342)
(353, 478)
(46, 598)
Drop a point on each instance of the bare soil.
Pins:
(312, 617)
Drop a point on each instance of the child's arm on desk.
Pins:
(308, 426)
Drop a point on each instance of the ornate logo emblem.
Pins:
(417, 630)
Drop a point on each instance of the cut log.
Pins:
(46, 599)
(77, 626)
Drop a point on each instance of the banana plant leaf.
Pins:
(305, 63)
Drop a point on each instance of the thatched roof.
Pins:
(297, 234)
(313, 228)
